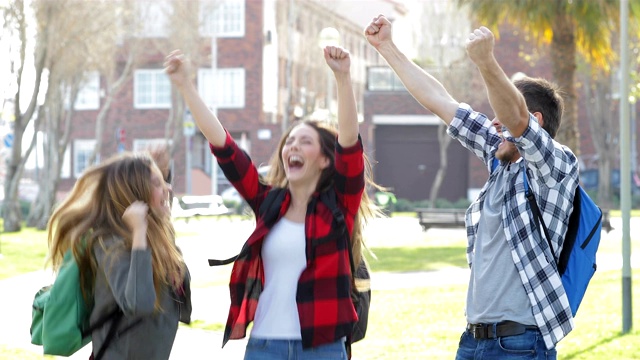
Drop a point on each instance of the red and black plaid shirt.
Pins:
(323, 294)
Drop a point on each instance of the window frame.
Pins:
(159, 81)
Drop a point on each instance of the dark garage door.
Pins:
(408, 158)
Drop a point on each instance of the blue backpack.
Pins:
(577, 260)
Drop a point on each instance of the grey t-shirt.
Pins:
(125, 279)
(495, 290)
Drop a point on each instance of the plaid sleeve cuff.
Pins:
(225, 150)
(355, 148)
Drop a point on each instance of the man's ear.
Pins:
(540, 118)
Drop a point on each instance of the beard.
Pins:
(507, 152)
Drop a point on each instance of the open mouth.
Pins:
(295, 162)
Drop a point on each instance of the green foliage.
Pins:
(25, 207)
(233, 205)
(405, 205)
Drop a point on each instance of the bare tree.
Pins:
(601, 112)
(447, 60)
(16, 24)
(83, 37)
(188, 39)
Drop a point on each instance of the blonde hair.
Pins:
(92, 213)
(327, 135)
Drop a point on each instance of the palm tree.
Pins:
(570, 27)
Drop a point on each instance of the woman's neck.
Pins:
(300, 197)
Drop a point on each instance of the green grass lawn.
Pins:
(421, 322)
(426, 323)
(22, 252)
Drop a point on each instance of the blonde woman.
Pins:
(116, 221)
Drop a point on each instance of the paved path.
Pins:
(211, 300)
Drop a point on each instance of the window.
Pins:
(383, 79)
(153, 17)
(148, 144)
(152, 90)
(89, 93)
(222, 18)
(82, 150)
(227, 91)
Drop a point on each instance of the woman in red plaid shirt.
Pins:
(293, 276)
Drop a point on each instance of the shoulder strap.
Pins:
(117, 316)
(329, 199)
(537, 215)
(268, 211)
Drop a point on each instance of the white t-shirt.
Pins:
(283, 259)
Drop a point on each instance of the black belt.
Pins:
(505, 328)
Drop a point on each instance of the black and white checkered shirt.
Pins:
(552, 171)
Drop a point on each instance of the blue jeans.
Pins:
(269, 349)
(529, 345)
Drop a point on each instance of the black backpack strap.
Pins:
(270, 207)
(537, 214)
(269, 211)
(329, 198)
(217, 262)
(115, 317)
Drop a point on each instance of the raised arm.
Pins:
(506, 101)
(339, 61)
(423, 86)
(178, 69)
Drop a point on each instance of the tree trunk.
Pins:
(56, 128)
(443, 140)
(11, 213)
(563, 59)
(601, 115)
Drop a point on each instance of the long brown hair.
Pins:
(92, 213)
(328, 135)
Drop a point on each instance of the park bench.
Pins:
(454, 218)
(198, 205)
(440, 218)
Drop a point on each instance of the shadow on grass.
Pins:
(406, 259)
(590, 348)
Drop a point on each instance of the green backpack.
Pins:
(60, 315)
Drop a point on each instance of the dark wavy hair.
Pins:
(328, 134)
(544, 97)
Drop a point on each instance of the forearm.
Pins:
(506, 100)
(128, 276)
(139, 238)
(206, 121)
(347, 111)
(426, 89)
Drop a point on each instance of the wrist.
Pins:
(139, 238)
(188, 87)
(487, 64)
(386, 48)
(342, 76)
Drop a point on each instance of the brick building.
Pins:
(269, 71)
